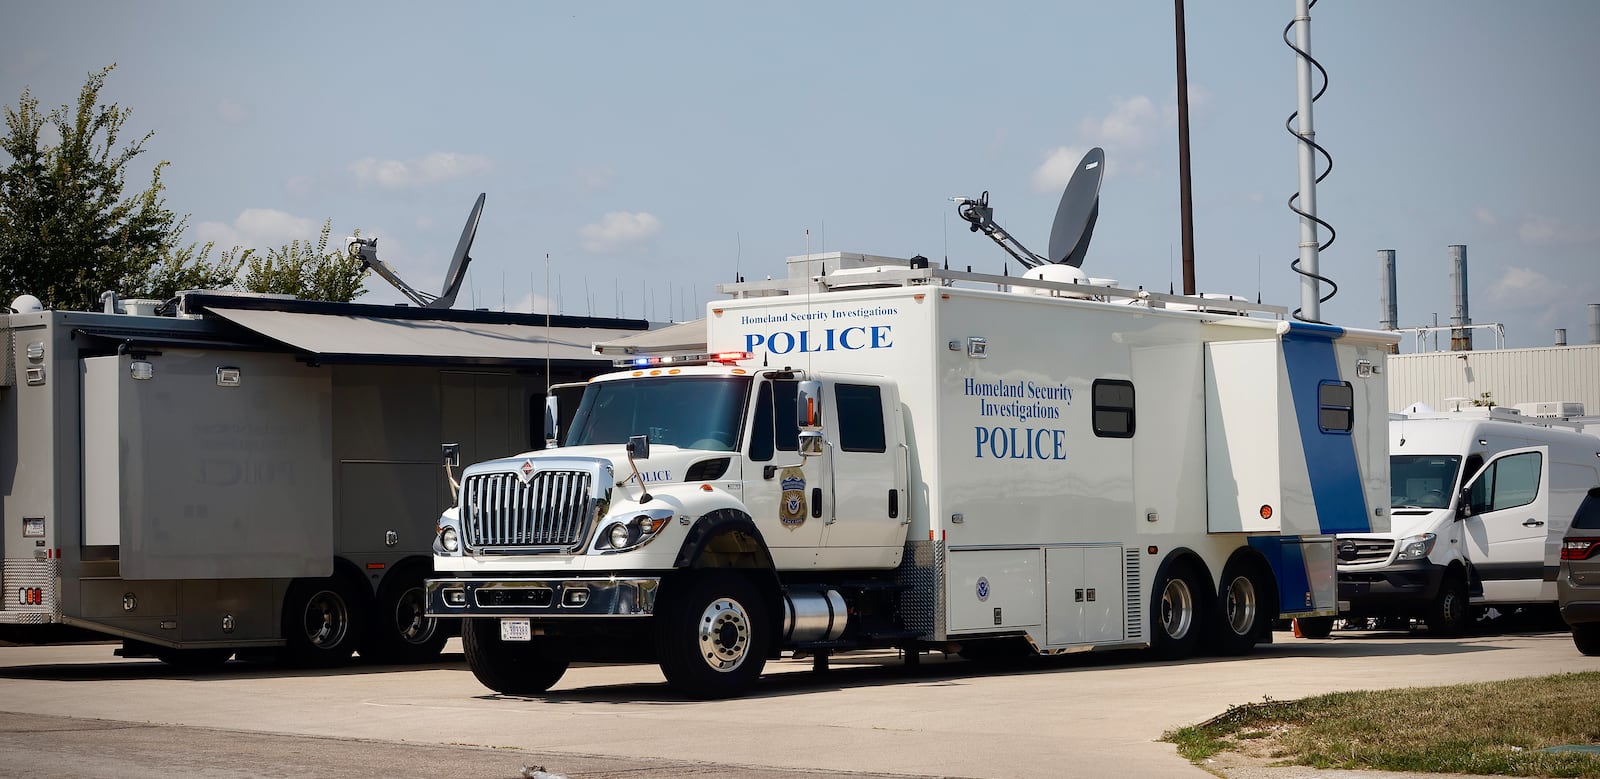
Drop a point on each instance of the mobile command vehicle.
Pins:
(876, 453)
(249, 473)
(1481, 498)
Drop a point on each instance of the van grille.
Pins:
(552, 509)
(1363, 551)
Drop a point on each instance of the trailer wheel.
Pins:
(712, 636)
(1241, 609)
(194, 659)
(1177, 613)
(511, 667)
(322, 621)
(1448, 614)
(400, 632)
(1586, 637)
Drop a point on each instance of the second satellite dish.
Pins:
(1074, 224)
(366, 250)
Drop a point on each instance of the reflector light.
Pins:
(1579, 548)
(1266, 512)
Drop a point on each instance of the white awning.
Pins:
(345, 337)
(682, 338)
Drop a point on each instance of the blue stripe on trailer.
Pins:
(1336, 488)
(1288, 564)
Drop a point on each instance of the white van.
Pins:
(1480, 500)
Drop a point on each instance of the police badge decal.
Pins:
(792, 503)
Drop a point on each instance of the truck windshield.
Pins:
(689, 412)
(1422, 481)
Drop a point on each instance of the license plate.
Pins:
(515, 630)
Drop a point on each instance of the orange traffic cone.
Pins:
(1296, 624)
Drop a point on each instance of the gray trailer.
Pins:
(255, 473)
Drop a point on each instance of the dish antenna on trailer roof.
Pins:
(366, 250)
(1074, 223)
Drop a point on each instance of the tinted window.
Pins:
(1588, 517)
(1335, 407)
(1422, 480)
(761, 429)
(1113, 408)
(1507, 483)
(860, 417)
(687, 412)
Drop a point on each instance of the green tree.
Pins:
(306, 270)
(66, 231)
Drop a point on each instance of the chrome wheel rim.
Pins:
(1241, 605)
(410, 619)
(327, 620)
(1177, 609)
(724, 634)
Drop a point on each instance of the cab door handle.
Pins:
(1532, 523)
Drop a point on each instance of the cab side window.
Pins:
(774, 426)
(860, 417)
(1507, 483)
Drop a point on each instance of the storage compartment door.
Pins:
(995, 589)
(218, 465)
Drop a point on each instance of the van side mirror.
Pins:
(808, 416)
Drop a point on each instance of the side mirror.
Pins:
(639, 447)
(808, 415)
(452, 455)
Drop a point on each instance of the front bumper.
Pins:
(1396, 589)
(543, 597)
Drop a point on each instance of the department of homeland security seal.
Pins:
(792, 502)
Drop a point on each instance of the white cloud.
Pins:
(596, 179)
(259, 228)
(424, 223)
(1485, 216)
(618, 230)
(1519, 286)
(1057, 169)
(431, 169)
(231, 111)
(1129, 125)
(1550, 231)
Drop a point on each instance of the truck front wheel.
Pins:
(712, 636)
(511, 667)
(1448, 614)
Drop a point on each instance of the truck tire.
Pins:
(322, 620)
(1176, 616)
(1240, 611)
(399, 632)
(1447, 616)
(1587, 638)
(712, 637)
(511, 667)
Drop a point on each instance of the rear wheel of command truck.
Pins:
(511, 667)
(1177, 613)
(1241, 608)
(712, 635)
(400, 631)
(322, 620)
(1448, 614)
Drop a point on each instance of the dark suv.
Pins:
(1579, 580)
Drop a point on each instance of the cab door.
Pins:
(866, 511)
(782, 490)
(1507, 506)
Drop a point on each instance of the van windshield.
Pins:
(1422, 481)
(689, 412)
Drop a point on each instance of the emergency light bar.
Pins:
(683, 359)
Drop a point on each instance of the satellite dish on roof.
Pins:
(1080, 207)
(1074, 224)
(366, 250)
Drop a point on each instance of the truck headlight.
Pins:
(450, 540)
(1416, 547)
(634, 531)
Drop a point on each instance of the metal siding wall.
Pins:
(1511, 376)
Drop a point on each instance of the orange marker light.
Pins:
(1266, 511)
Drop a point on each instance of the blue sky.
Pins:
(654, 149)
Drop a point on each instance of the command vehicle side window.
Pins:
(1507, 483)
(775, 427)
(860, 417)
(1113, 408)
(1336, 407)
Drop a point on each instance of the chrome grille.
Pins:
(552, 509)
(1367, 550)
